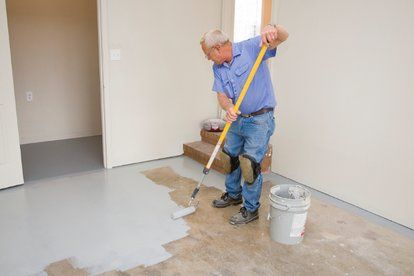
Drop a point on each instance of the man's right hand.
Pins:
(231, 116)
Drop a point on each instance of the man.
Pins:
(249, 134)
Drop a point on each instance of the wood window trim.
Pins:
(266, 12)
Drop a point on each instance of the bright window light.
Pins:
(247, 19)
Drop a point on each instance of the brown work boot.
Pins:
(225, 200)
(244, 216)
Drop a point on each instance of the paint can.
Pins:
(289, 206)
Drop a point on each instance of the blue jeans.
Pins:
(248, 136)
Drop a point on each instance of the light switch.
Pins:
(115, 54)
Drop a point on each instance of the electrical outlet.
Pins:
(29, 96)
(115, 54)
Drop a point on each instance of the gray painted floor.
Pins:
(100, 219)
(62, 157)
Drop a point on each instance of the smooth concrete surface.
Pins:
(111, 219)
(336, 242)
(103, 220)
(275, 178)
(62, 157)
(193, 170)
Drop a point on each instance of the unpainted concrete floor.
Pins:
(336, 242)
(121, 225)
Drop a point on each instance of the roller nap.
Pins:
(183, 212)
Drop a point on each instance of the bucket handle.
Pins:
(269, 217)
(282, 207)
(285, 208)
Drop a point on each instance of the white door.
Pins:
(11, 172)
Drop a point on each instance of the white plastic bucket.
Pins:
(289, 206)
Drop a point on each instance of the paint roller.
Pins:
(191, 206)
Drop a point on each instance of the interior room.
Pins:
(54, 51)
(221, 137)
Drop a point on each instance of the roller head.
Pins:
(183, 212)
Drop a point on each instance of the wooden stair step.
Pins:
(201, 151)
(210, 137)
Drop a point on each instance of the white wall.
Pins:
(345, 82)
(11, 172)
(160, 90)
(54, 45)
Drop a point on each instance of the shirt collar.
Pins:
(236, 51)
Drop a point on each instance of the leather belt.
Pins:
(259, 112)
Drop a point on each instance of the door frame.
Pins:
(10, 161)
(102, 24)
(102, 15)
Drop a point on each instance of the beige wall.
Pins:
(160, 90)
(54, 45)
(345, 83)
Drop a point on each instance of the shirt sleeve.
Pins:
(218, 83)
(254, 45)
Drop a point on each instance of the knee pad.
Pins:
(230, 163)
(250, 168)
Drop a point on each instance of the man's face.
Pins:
(213, 53)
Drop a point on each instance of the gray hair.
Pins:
(214, 37)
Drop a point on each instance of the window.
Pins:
(247, 19)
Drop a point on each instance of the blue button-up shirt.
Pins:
(229, 78)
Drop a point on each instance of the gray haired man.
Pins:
(249, 134)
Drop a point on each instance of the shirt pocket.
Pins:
(228, 87)
(242, 69)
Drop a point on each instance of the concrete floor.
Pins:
(336, 241)
(61, 157)
(118, 219)
(64, 157)
(101, 221)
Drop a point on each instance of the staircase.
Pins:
(201, 151)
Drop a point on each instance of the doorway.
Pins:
(55, 57)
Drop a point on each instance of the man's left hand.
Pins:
(269, 36)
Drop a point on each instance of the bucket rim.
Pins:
(273, 196)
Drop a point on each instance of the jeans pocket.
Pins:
(259, 119)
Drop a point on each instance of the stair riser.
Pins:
(202, 158)
(211, 137)
(201, 153)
